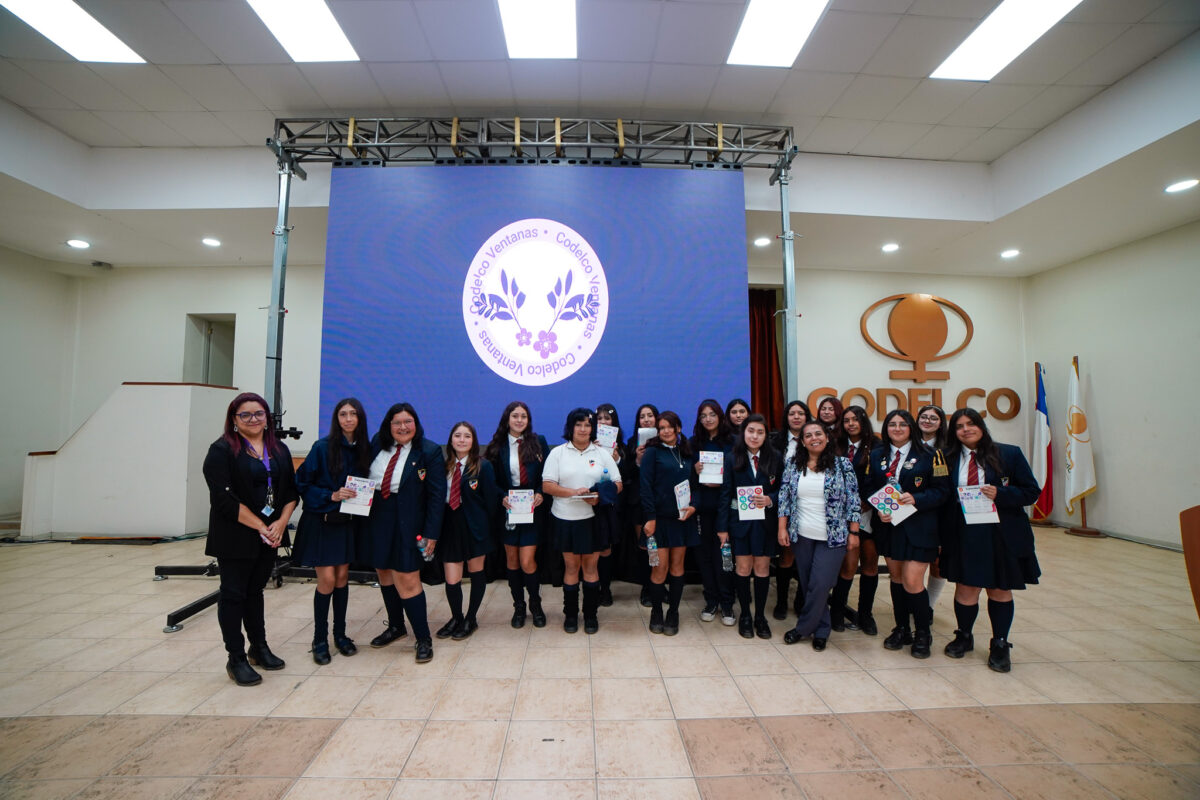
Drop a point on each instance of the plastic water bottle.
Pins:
(604, 477)
(726, 557)
(652, 550)
(423, 546)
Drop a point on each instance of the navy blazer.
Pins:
(241, 480)
(916, 477)
(1015, 488)
(533, 467)
(707, 499)
(316, 483)
(420, 499)
(480, 499)
(769, 476)
(661, 471)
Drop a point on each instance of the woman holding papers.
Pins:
(746, 518)
(252, 494)
(910, 544)
(610, 519)
(579, 475)
(992, 548)
(471, 501)
(711, 441)
(668, 482)
(405, 522)
(818, 517)
(326, 535)
(785, 442)
(517, 454)
(858, 440)
(635, 448)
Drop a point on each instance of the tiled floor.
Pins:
(97, 702)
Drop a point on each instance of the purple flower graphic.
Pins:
(524, 337)
(545, 344)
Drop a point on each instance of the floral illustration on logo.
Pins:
(566, 308)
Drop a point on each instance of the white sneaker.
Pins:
(708, 614)
(728, 620)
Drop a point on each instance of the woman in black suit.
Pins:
(326, 537)
(411, 475)
(667, 462)
(647, 416)
(711, 433)
(912, 545)
(858, 440)
(998, 557)
(252, 494)
(471, 501)
(786, 441)
(752, 462)
(517, 455)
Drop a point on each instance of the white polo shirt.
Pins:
(572, 468)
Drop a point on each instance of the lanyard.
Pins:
(266, 462)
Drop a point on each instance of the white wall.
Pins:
(1130, 314)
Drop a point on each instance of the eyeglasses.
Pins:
(247, 416)
(929, 418)
(403, 423)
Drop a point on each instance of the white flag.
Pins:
(1081, 472)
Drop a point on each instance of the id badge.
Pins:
(267, 510)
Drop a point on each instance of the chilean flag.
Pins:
(1043, 463)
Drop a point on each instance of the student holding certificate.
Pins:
(635, 448)
(785, 442)
(517, 454)
(909, 546)
(668, 481)
(858, 440)
(746, 519)
(326, 535)
(931, 421)
(711, 439)
(998, 555)
(610, 518)
(252, 494)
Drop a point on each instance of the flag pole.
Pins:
(1082, 529)
(1034, 519)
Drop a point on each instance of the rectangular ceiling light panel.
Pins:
(774, 31)
(539, 28)
(1005, 34)
(74, 30)
(306, 29)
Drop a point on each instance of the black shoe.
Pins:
(780, 611)
(921, 644)
(606, 598)
(746, 626)
(424, 648)
(671, 622)
(590, 624)
(345, 645)
(241, 673)
(998, 658)
(390, 634)
(261, 655)
(899, 637)
(656, 620)
(963, 643)
(866, 624)
(320, 651)
(465, 629)
(571, 623)
(535, 611)
(819, 643)
(838, 625)
(850, 618)
(761, 629)
(792, 636)
(447, 630)
(518, 617)
(645, 598)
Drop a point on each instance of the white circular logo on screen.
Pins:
(535, 302)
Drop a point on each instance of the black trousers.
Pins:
(716, 582)
(240, 601)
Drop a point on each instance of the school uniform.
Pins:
(574, 520)
(506, 467)
(414, 505)
(325, 536)
(785, 443)
(466, 530)
(663, 468)
(916, 538)
(715, 582)
(757, 537)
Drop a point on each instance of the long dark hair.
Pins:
(914, 433)
(234, 439)
(685, 449)
(384, 439)
(834, 429)
(611, 410)
(360, 453)
(632, 444)
(942, 439)
(737, 401)
(724, 434)
(986, 448)
(579, 415)
(768, 459)
(867, 436)
(472, 454)
(529, 449)
(784, 430)
(828, 455)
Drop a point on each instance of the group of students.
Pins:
(803, 499)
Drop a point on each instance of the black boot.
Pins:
(570, 608)
(341, 599)
(240, 672)
(591, 602)
(516, 587)
(656, 591)
(260, 655)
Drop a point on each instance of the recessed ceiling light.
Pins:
(539, 28)
(1181, 186)
(1010, 253)
(1005, 34)
(762, 241)
(890, 247)
(774, 31)
(211, 242)
(78, 244)
(74, 30)
(306, 29)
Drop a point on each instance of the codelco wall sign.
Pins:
(918, 330)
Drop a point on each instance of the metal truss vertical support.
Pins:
(791, 317)
(273, 382)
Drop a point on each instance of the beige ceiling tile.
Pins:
(18, 40)
(941, 143)
(148, 86)
(1127, 11)
(231, 30)
(345, 86)
(875, 6)
(613, 83)
(845, 41)
(78, 83)
(382, 30)
(278, 86)
(214, 86)
(834, 135)
(618, 30)
(932, 101)
(1048, 106)
(550, 82)
(745, 89)
(696, 34)
(410, 84)
(1176, 11)
(993, 144)
(963, 9)
(84, 127)
(152, 30)
(991, 104)
(890, 139)
(202, 127)
(254, 127)
(462, 30)
(918, 45)
(680, 85)
(477, 84)
(1135, 47)
(144, 128)
(22, 89)
(872, 97)
(810, 93)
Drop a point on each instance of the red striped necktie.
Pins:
(521, 464)
(387, 473)
(972, 472)
(456, 487)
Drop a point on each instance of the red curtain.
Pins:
(766, 382)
